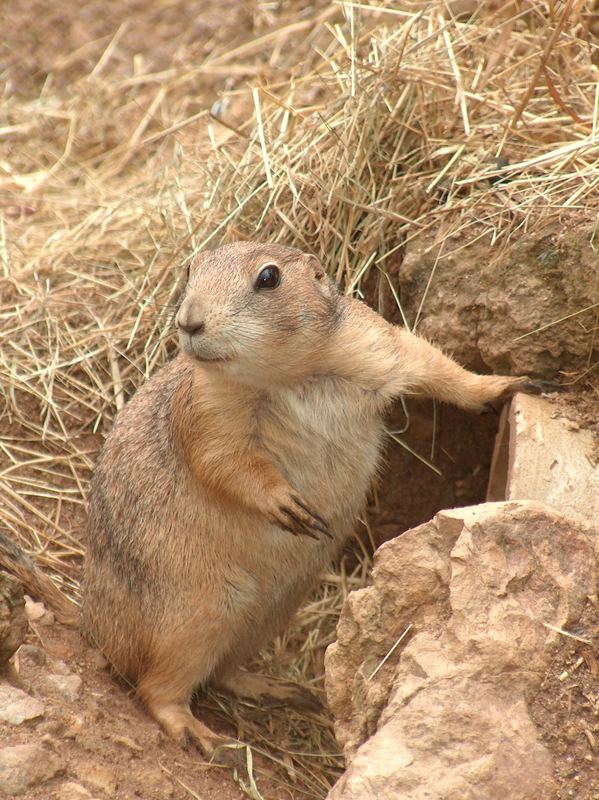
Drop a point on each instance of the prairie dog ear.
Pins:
(315, 266)
(326, 285)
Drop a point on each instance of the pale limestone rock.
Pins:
(16, 706)
(445, 717)
(34, 610)
(33, 654)
(539, 455)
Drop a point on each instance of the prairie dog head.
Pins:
(260, 312)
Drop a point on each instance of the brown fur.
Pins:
(268, 425)
(17, 562)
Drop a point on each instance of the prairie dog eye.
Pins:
(269, 277)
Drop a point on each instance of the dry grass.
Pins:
(332, 126)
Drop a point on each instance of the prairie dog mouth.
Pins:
(186, 344)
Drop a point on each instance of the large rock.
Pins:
(477, 302)
(445, 716)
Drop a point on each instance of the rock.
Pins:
(33, 653)
(38, 613)
(75, 727)
(486, 300)
(372, 621)
(35, 611)
(62, 681)
(13, 622)
(445, 717)
(541, 456)
(98, 660)
(128, 742)
(16, 706)
(67, 686)
(59, 667)
(24, 766)
(98, 776)
(72, 791)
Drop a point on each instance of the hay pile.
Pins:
(344, 128)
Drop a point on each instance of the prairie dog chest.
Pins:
(326, 437)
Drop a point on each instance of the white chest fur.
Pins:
(325, 436)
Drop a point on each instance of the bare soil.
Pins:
(66, 38)
(566, 707)
(566, 710)
(104, 740)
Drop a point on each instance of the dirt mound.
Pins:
(526, 308)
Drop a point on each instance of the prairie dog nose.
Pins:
(190, 318)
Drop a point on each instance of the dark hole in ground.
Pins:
(459, 444)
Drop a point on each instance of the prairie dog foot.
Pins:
(180, 724)
(270, 691)
(291, 513)
(506, 387)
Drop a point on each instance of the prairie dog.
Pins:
(237, 472)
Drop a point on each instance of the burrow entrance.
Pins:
(458, 444)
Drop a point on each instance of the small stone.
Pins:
(16, 706)
(100, 777)
(72, 791)
(35, 611)
(32, 653)
(128, 743)
(60, 668)
(48, 619)
(24, 766)
(74, 729)
(98, 660)
(68, 686)
(38, 613)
